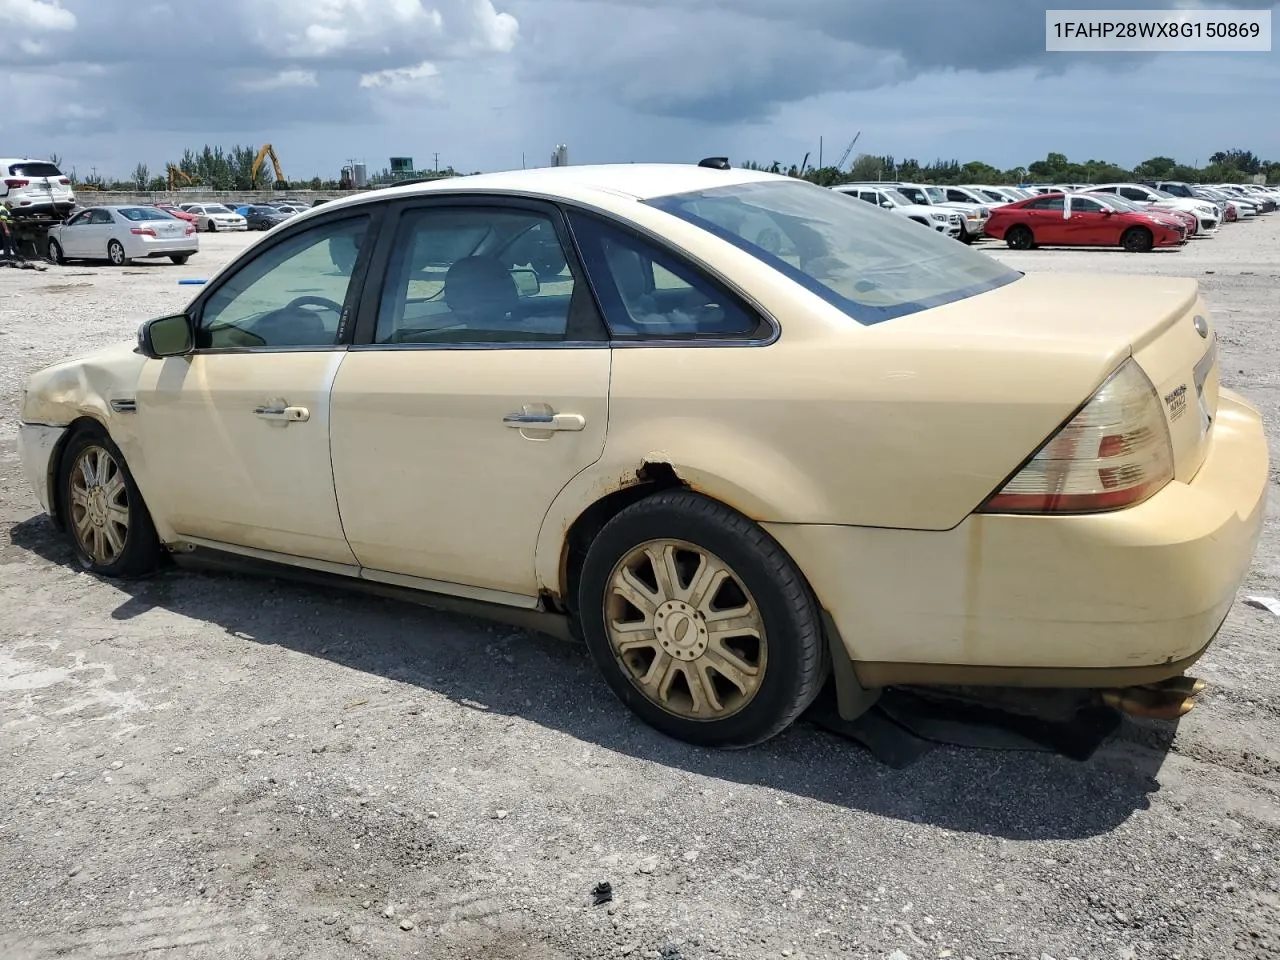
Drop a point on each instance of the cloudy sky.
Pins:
(483, 83)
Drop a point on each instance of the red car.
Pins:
(173, 211)
(1186, 218)
(1075, 220)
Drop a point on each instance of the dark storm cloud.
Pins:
(734, 60)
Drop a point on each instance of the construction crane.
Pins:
(177, 176)
(268, 151)
(844, 157)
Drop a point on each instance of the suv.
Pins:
(949, 222)
(35, 188)
(975, 216)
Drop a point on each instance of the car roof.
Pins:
(639, 181)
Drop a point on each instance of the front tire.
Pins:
(116, 254)
(1137, 240)
(700, 622)
(56, 254)
(213, 227)
(110, 527)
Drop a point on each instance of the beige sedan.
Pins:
(739, 434)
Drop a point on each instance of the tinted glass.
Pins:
(259, 304)
(1054, 202)
(476, 275)
(144, 213)
(34, 169)
(1085, 205)
(873, 268)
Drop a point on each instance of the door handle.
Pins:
(545, 421)
(287, 414)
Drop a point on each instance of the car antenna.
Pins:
(715, 163)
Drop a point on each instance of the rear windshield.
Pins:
(36, 168)
(871, 264)
(144, 213)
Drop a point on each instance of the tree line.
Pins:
(218, 168)
(1225, 166)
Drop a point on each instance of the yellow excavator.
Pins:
(268, 150)
(177, 176)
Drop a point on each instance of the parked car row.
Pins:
(1138, 217)
(1134, 216)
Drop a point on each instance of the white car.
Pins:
(35, 188)
(975, 215)
(949, 222)
(1208, 214)
(215, 217)
(996, 196)
(123, 233)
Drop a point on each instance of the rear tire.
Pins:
(728, 612)
(180, 258)
(116, 254)
(110, 527)
(1137, 240)
(1019, 238)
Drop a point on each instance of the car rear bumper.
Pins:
(1105, 600)
(39, 206)
(141, 247)
(36, 445)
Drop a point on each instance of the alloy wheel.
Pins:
(99, 505)
(686, 630)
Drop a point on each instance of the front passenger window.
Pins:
(291, 295)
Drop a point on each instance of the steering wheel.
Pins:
(311, 301)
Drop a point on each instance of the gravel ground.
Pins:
(211, 766)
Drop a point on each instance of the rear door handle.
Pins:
(287, 414)
(545, 421)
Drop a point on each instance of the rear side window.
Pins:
(35, 168)
(650, 294)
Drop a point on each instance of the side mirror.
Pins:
(166, 337)
(886, 204)
(527, 283)
(1108, 212)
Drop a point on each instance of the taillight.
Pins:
(65, 181)
(13, 184)
(142, 231)
(191, 228)
(1115, 452)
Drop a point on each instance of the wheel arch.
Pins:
(57, 502)
(650, 479)
(737, 471)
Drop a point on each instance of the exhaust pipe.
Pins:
(1166, 700)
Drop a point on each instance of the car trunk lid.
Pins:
(1161, 321)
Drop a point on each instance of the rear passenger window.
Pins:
(483, 274)
(649, 293)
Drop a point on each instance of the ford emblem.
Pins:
(1202, 326)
